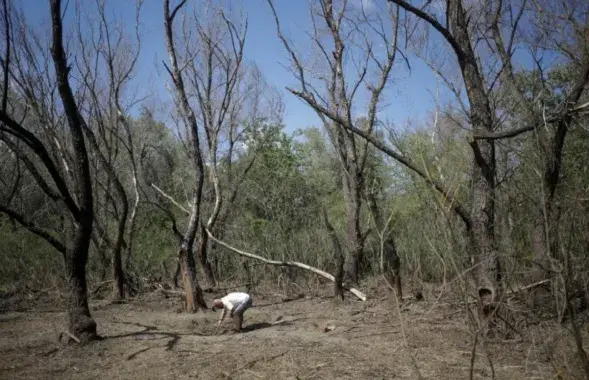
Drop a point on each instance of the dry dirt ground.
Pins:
(148, 338)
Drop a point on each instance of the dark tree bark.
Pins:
(76, 199)
(482, 246)
(81, 323)
(352, 185)
(339, 258)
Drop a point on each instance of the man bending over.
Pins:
(236, 303)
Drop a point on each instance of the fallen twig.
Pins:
(69, 334)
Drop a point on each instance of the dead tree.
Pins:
(109, 128)
(344, 49)
(227, 98)
(479, 219)
(66, 182)
(194, 294)
(214, 71)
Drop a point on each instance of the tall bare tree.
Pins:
(64, 175)
(106, 61)
(214, 70)
(348, 41)
(194, 296)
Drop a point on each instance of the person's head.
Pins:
(217, 304)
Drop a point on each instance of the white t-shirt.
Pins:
(232, 300)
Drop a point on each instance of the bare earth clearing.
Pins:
(148, 339)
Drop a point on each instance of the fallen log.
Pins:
(295, 264)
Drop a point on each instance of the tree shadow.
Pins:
(255, 326)
(148, 333)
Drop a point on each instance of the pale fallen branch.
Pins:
(70, 335)
(295, 264)
(530, 286)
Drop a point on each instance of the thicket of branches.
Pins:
(490, 190)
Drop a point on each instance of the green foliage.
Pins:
(26, 259)
(277, 212)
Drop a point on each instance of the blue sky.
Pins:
(409, 96)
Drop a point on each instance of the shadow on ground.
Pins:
(256, 326)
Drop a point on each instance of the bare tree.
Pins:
(229, 100)
(254, 107)
(107, 47)
(479, 221)
(348, 40)
(214, 66)
(69, 185)
(194, 296)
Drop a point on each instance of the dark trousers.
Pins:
(238, 314)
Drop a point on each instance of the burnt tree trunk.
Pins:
(72, 193)
(194, 297)
(352, 185)
(177, 271)
(339, 258)
(80, 322)
(339, 277)
(76, 252)
(118, 272)
(194, 294)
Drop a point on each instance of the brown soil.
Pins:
(149, 339)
